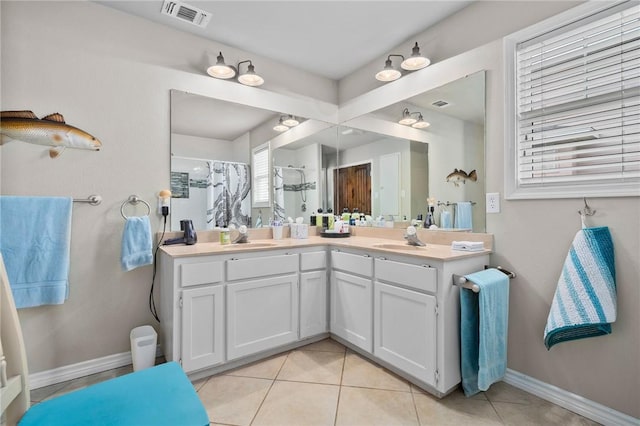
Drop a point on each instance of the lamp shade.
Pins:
(420, 124)
(416, 61)
(220, 69)
(250, 78)
(406, 119)
(290, 121)
(388, 73)
(280, 127)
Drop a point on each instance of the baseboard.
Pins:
(81, 369)
(576, 403)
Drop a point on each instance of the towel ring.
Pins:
(134, 199)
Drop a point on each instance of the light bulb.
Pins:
(290, 121)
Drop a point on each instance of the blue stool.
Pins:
(162, 395)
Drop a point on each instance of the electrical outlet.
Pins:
(493, 202)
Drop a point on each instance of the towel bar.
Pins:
(464, 282)
(94, 200)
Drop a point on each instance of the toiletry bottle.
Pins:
(419, 221)
(428, 221)
(313, 219)
(319, 218)
(355, 216)
(345, 215)
(225, 235)
(332, 218)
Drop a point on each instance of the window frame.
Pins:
(512, 187)
(256, 202)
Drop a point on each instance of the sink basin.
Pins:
(250, 245)
(398, 247)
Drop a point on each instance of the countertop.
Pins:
(430, 251)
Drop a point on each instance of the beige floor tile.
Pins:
(42, 393)
(233, 400)
(197, 385)
(454, 410)
(362, 373)
(543, 413)
(293, 403)
(361, 406)
(457, 393)
(503, 392)
(313, 367)
(265, 369)
(326, 345)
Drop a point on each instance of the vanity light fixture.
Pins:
(225, 72)
(285, 123)
(408, 120)
(280, 127)
(220, 69)
(414, 62)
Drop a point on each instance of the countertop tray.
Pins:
(335, 234)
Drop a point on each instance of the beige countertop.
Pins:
(430, 251)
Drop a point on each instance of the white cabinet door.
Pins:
(202, 327)
(313, 303)
(351, 309)
(405, 330)
(261, 314)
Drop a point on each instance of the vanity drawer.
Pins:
(257, 267)
(423, 278)
(355, 263)
(313, 260)
(200, 273)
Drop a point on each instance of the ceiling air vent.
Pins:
(187, 13)
(440, 104)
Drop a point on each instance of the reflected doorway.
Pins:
(352, 186)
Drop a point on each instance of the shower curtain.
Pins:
(228, 194)
(278, 194)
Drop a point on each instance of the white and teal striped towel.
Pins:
(585, 301)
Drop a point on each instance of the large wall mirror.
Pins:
(317, 164)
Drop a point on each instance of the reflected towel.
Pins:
(35, 237)
(136, 243)
(445, 219)
(464, 215)
(584, 304)
(483, 330)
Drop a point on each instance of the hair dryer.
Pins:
(189, 237)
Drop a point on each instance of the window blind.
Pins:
(578, 103)
(261, 176)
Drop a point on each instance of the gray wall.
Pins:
(86, 62)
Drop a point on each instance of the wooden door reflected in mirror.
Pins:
(354, 188)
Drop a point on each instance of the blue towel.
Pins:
(445, 219)
(464, 215)
(35, 240)
(585, 301)
(483, 330)
(136, 243)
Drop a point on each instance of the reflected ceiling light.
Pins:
(416, 61)
(407, 119)
(420, 124)
(290, 121)
(220, 69)
(280, 127)
(249, 78)
(389, 73)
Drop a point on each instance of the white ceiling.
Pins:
(328, 38)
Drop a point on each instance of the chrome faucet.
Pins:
(242, 236)
(412, 237)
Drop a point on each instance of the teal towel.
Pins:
(584, 304)
(464, 215)
(483, 330)
(35, 240)
(136, 243)
(162, 395)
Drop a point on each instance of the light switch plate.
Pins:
(493, 202)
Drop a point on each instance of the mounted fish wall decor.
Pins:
(51, 131)
(458, 176)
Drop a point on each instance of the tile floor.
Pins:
(325, 384)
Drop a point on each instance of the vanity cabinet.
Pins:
(404, 320)
(313, 294)
(352, 298)
(202, 327)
